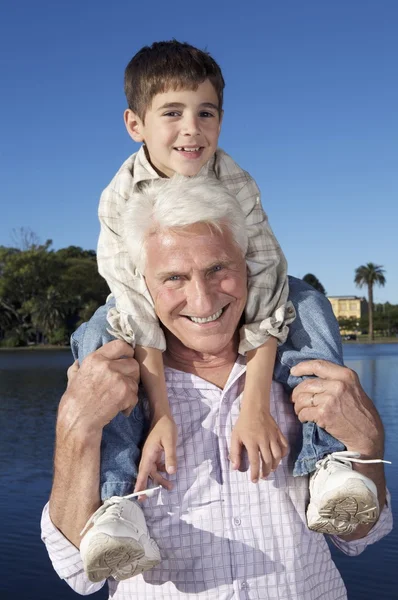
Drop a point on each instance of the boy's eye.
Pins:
(206, 114)
(172, 113)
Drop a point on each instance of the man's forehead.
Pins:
(197, 246)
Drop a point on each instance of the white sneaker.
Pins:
(118, 544)
(340, 498)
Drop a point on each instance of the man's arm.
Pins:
(336, 402)
(105, 384)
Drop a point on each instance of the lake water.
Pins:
(31, 384)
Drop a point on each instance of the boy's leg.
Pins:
(313, 334)
(115, 546)
(121, 438)
(340, 498)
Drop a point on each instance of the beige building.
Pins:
(349, 307)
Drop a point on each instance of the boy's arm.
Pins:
(268, 312)
(135, 315)
(255, 428)
(134, 320)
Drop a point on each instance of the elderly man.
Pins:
(220, 535)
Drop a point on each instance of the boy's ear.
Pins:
(134, 125)
(221, 118)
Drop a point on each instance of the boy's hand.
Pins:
(257, 431)
(158, 454)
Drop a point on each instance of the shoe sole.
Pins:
(342, 513)
(143, 564)
(107, 554)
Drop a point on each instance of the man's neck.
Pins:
(212, 368)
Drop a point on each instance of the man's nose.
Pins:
(201, 298)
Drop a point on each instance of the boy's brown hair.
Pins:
(168, 65)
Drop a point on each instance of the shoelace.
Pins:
(112, 507)
(349, 457)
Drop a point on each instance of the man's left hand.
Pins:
(335, 401)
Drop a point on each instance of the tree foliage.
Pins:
(44, 294)
(314, 281)
(369, 275)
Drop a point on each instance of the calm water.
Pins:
(31, 384)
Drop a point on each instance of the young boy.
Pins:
(175, 94)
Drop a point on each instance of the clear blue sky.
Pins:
(310, 111)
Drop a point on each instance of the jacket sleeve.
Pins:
(133, 319)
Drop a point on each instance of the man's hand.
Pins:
(104, 385)
(336, 402)
(265, 444)
(158, 454)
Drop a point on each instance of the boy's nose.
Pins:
(190, 126)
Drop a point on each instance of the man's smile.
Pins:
(208, 319)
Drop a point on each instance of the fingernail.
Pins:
(171, 470)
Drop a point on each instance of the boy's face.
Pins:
(180, 130)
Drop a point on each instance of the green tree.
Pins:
(314, 281)
(44, 293)
(369, 275)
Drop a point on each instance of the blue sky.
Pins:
(310, 112)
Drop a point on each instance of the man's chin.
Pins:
(213, 345)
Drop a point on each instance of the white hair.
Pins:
(178, 203)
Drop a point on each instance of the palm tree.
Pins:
(368, 275)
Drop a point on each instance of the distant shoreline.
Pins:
(40, 348)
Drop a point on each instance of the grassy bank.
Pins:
(364, 339)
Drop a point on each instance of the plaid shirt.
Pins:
(220, 536)
(268, 311)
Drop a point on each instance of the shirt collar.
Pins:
(144, 171)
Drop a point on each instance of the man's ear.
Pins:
(134, 125)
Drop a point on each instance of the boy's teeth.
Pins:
(207, 319)
(189, 149)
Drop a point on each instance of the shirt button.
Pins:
(237, 521)
(244, 585)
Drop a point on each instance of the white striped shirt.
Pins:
(220, 536)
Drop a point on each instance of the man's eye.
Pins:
(217, 268)
(174, 278)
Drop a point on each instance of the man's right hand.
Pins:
(105, 384)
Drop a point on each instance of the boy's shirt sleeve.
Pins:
(134, 319)
(268, 311)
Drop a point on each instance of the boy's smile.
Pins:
(180, 129)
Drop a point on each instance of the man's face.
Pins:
(180, 130)
(198, 281)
